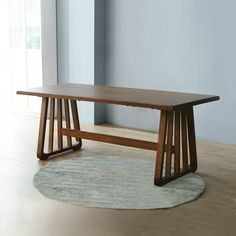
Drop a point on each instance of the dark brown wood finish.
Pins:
(192, 139)
(161, 147)
(162, 100)
(176, 139)
(169, 145)
(177, 143)
(42, 128)
(67, 116)
(41, 154)
(111, 139)
(51, 126)
(75, 116)
(59, 123)
(183, 123)
(184, 140)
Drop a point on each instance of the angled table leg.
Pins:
(75, 117)
(176, 149)
(41, 154)
(42, 128)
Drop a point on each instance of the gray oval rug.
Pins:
(114, 182)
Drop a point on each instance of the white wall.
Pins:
(81, 49)
(180, 45)
(75, 33)
(49, 42)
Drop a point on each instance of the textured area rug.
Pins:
(114, 182)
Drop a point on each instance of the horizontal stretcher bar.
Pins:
(112, 139)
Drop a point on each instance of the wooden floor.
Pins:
(24, 211)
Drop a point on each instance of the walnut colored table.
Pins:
(176, 147)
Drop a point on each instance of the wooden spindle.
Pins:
(169, 145)
(42, 128)
(192, 139)
(177, 143)
(51, 125)
(59, 123)
(75, 116)
(161, 147)
(67, 116)
(184, 140)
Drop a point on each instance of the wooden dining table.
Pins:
(176, 152)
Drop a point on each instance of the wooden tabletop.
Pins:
(161, 100)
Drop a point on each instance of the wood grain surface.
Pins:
(156, 99)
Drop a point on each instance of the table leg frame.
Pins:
(176, 153)
(177, 129)
(69, 105)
